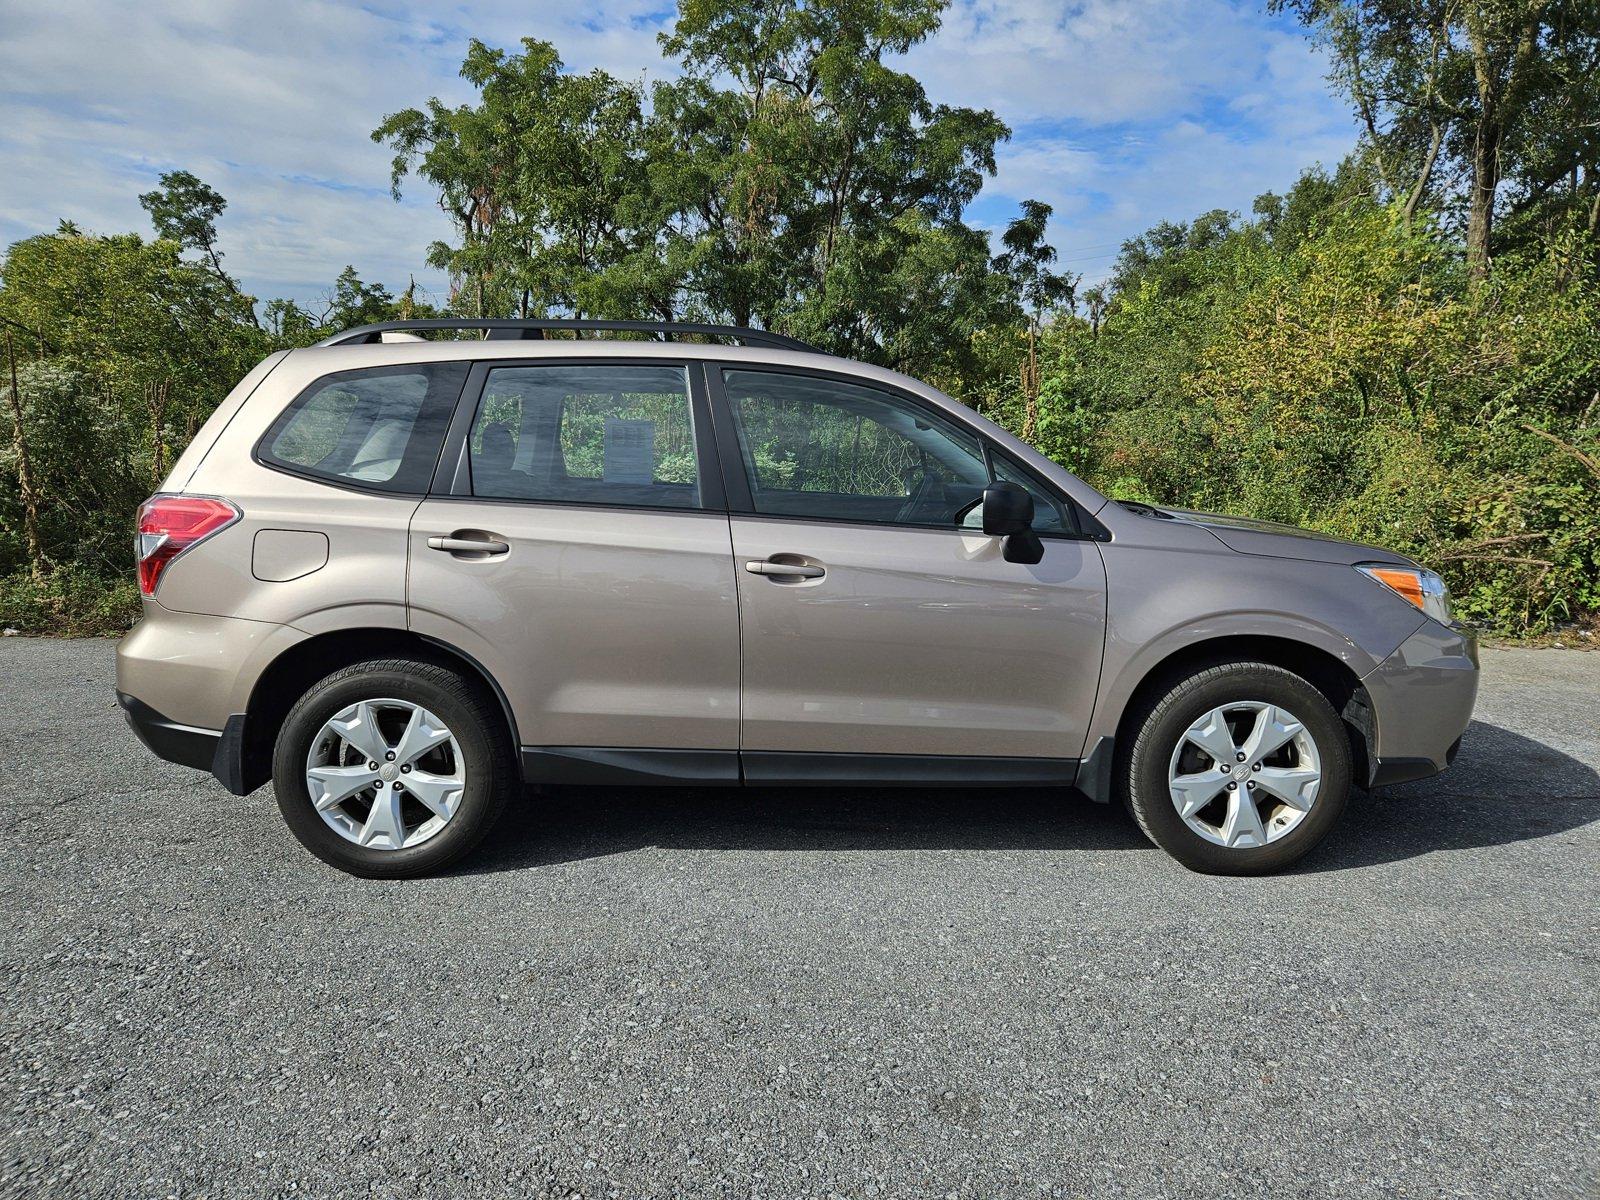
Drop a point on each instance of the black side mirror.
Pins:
(1007, 508)
(1008, 513)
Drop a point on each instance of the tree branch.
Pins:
(1590, 462)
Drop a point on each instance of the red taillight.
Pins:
(169, 525)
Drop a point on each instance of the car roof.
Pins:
(377, 354)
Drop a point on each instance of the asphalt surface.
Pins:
(785, 994)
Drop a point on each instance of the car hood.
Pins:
(1275, 540)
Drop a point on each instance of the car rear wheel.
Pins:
(1237, 769)
(392, 769)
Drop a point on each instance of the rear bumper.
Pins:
(219, 751)
(184, 681)
(167, 739)
(1421, 697)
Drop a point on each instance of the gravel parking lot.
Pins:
(776, 993)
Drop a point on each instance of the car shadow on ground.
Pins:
(1503, 788)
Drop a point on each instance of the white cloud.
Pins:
(1097, 61)
(1130, 114)
(1126, 113)
(271, 104)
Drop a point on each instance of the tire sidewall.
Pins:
(1183, 705)
(480, 756)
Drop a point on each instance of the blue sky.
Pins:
(1124, 113)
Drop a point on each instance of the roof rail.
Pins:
(534, 330)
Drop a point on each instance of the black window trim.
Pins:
(261, 457)
(718, 460)
(742, 502)
(452, 479)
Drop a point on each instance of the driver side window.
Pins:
(823, 448)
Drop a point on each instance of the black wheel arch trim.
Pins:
(244, 760)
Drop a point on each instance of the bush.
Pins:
(68, 602)
(1349, 378)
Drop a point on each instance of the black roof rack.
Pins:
(534, 330)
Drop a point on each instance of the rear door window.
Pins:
(586, 434)
(378, 429)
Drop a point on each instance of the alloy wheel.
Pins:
(385, 774)
(1245, 774)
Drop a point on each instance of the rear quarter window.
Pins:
(379, 429)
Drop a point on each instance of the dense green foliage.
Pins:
(1345, 374)
(789, 179)
(121, 349)
(1405, 350)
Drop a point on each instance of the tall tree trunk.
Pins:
(1030, 384)
(155, 400)
(1485, 183)
(1498, 94)
(38, 565)
(1420, 188)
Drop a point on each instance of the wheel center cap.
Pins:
(1240, 770)
(388, 772)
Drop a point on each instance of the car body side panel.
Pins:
(917, 641)
(197, 669)
(200, 445)
(366, 530)
(364, 562)
(603, 626)
(1171, 585)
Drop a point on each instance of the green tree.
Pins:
(790, 179)
(1353, 378)
(822, 173)
(1494, 90)
(127, 348)
(184, 209)
(1026, 265)
(543, 181)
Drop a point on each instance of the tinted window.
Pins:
(586, 434)
(380, 428)
(823, 448)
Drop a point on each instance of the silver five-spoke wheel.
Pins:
(1245, 774)
(385, 774)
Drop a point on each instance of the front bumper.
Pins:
(1421, 698)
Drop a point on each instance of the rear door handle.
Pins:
(476, 547)
(785, 570)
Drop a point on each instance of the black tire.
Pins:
(472, 717)
(1159, 724)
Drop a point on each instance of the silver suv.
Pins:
(402, 578)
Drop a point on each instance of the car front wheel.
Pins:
(1237, 769)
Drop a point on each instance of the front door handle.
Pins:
(473, 547)
(785, 570)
